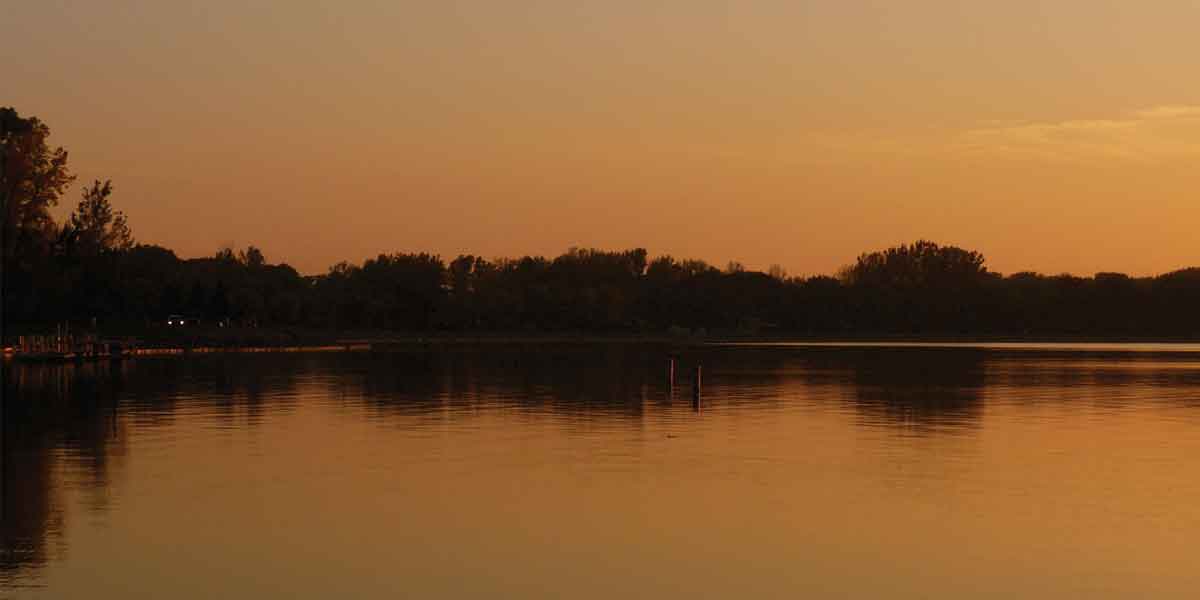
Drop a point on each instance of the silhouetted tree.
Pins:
(914, 289)
(94, 227)
(252, 257)
(225, 255)
(218, 304)
(919, 264)
(32, 178)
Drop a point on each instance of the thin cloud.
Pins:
(1146, 135)
(1173, 111)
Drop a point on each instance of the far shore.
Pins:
(161, 340)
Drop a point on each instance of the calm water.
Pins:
(526, 472)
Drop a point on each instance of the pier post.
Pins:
(696, 384)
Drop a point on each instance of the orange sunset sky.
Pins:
(1055, 135)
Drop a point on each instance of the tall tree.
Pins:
(252, 257)
(923, 263)
(95, 227)
(32, 177)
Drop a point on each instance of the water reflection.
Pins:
(67, 429)
(924, 391)
(571, 380)
(919, 390)
(55, 419)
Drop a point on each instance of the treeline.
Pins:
(90, 269)
(918, 289)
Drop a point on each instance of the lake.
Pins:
(560, 471)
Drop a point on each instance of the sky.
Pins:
(1050, 135)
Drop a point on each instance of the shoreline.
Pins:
(263, 343)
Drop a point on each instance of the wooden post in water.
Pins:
(696, 389)
(670, 375)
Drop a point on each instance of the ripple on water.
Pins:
(814, 471)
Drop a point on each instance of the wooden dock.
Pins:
(64, 346)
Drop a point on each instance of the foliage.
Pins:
(94, 227)
(32, 178)
(91, 269)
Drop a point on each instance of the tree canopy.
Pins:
(32, 178)
(95, 227)
(89, 268)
